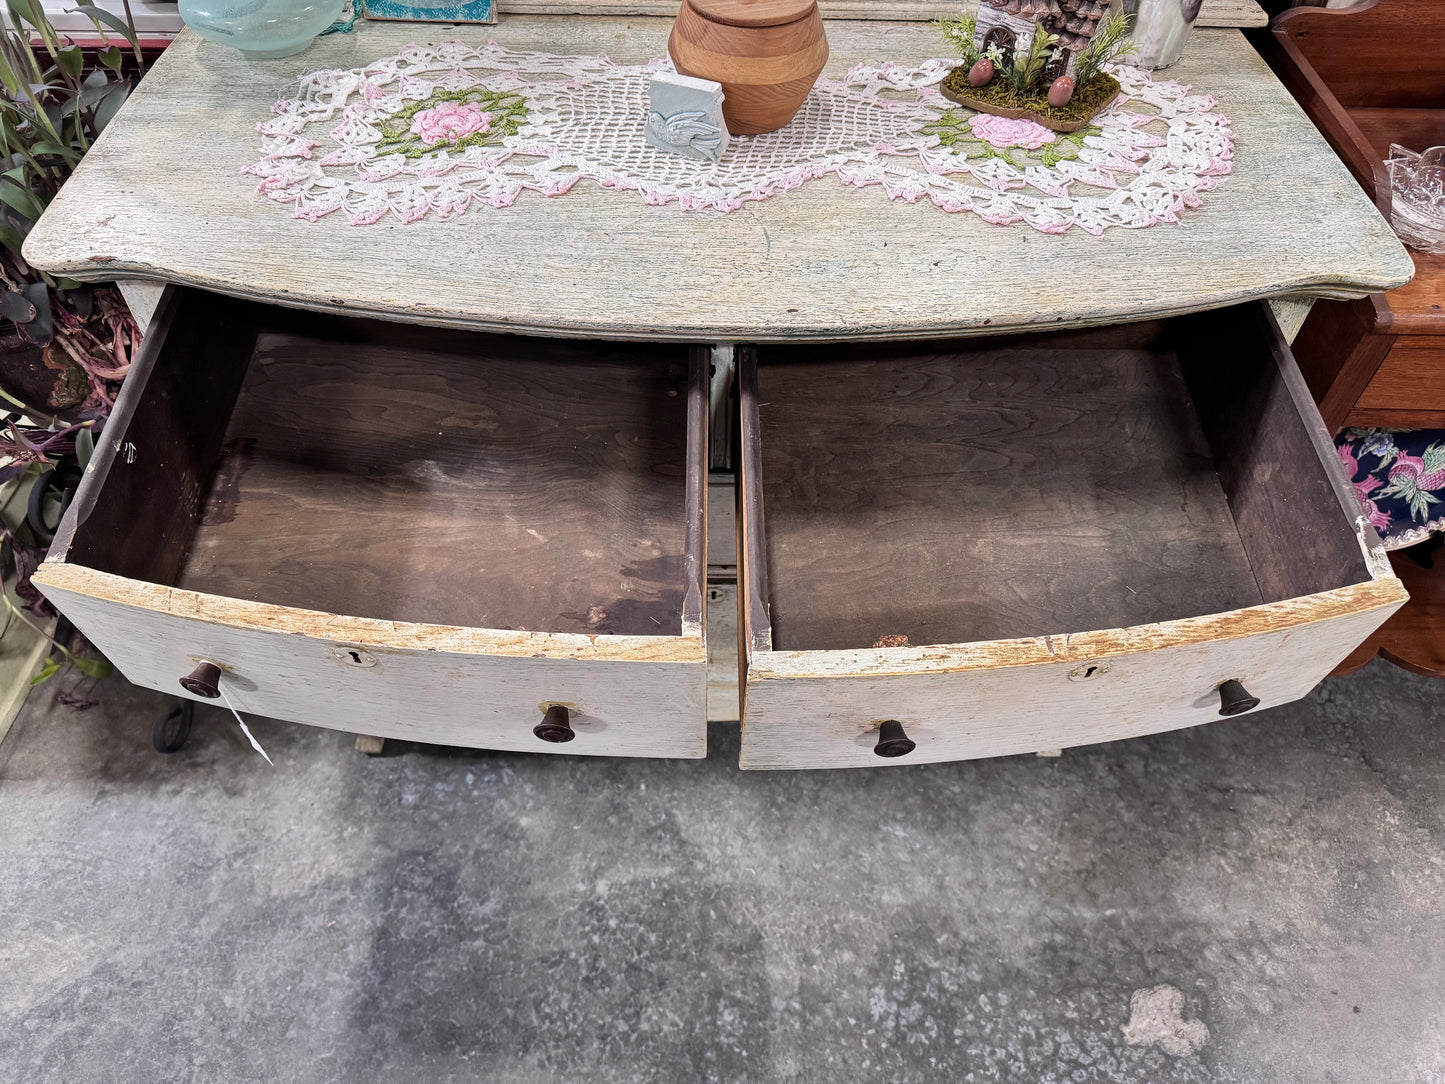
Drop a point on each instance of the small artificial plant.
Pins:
(1021, 68)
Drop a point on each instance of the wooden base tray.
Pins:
(958, 79)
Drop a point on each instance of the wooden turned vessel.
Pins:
(767, 55)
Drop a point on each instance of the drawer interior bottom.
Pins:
(412, 474)
(956, 493)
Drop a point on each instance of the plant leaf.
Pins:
(84, 446)
(40, 330)
(16, 307)
(94, 668)
(48, 671)
(100, 16)
(111, 57)
(110, 105)
(71, 61)
(20, 199)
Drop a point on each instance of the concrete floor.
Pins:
(437, 914)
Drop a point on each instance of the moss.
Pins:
(1000, 92)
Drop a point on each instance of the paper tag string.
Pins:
(242, 724)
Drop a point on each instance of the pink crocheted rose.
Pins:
(1002, 132)
(450, 121)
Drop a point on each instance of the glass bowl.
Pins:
(1417, 197)
(262, 29)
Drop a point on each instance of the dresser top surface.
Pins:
(161, 196)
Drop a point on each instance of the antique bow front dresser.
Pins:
(469, 476)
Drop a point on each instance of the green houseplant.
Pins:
(64, 347)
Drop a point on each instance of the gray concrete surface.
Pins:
(448, 915)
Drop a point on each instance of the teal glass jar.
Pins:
(263, 29)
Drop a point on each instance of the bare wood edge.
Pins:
(366, 632)
(1231, 13)
(753, 605)
(1383, 592)
(782, 331)
(694, 617)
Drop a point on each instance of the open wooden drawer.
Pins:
(402, 531)
(998, 546)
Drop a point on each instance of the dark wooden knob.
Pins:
(203, 680)
(555, 725)
(1234, 699)
(892, 742)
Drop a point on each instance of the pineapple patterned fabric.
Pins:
(1399, 480)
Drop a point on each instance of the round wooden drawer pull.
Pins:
(203, 681)
(892, 742)
(1234, 699)
(555, 726)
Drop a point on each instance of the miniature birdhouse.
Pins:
(1009, 26)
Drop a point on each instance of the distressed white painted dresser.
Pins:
(997, 490)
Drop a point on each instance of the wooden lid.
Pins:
(753, 12)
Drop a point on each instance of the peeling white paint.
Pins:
(1156, 1018)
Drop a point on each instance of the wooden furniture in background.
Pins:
(1379, 360)
(1414, 636)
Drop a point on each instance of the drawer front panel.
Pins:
(824, 721)
(617, 708)
(1411, 378)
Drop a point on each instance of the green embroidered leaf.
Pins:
(508, 109)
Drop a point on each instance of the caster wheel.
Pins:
(173, 728)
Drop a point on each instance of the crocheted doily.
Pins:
(436, 129)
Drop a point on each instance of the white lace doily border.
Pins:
(341, 144)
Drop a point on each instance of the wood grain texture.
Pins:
(825, 261)
(828, 717)
(1412, 377)
(1239, 13)
(986, 448)
(1414, 636)
(1290, 313)
(766, 71)
(1358, 51)
(1296, 513)
(964, 494)
(415, 475)
(451, 687)
(1417, 129)
(137, 506)
(1418, 307)
(754, 12)
(1340, 348)
(344, 497)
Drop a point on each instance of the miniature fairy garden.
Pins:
(1040, 60)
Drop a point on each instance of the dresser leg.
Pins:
(369, 745)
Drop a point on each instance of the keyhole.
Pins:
(354, 656)
(1088, 671)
